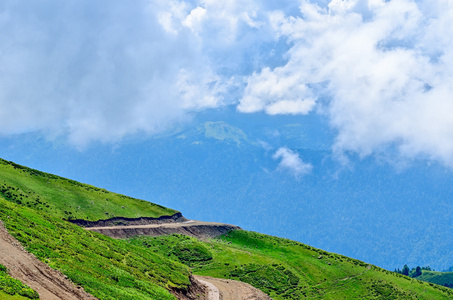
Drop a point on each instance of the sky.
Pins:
(379, 72)
(365, 80)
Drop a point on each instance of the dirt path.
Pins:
(49, 283)
(227, 289)
(169, 225)
(197, 229)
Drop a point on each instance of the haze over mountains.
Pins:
(222, 169)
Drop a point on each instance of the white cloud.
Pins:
(195, 19)
(100, 70)
(387, 67)
(276, 92)
(292, 107)
(290, 161)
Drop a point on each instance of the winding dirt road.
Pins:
(49, 283)
(227, 289)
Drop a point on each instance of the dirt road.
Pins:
(197, 229)
(49, 283)
(227, 289)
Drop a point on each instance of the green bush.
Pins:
(275, 278)
(190, 251)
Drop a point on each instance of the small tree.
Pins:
(418, 271)
(405, 270)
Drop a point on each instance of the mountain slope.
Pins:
(69, 199)
(106, 268)
(46, 282)
(286, 269)
(441, 278)
(149, 268)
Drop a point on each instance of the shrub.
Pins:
(191, 251)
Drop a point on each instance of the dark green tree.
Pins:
(418, 272)
(405, 270)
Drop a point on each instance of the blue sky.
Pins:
(368, 82)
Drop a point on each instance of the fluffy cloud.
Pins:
(101, 70)
(105, 69)
(290, 161)
(381, 71)
(385, 66)
(276, 92)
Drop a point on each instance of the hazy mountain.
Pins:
(218, 168)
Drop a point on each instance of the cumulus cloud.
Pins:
(276, 92)
(386, 67)
(290, 161)
(99, 70)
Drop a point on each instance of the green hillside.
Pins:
(68, 199)
(441, 278)
(34, 206)
(286, 269)
(106, 268)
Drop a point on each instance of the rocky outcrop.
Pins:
(120, 221)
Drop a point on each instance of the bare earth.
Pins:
(198, 229)
(49, 283)
(227, 289)
(169, 225)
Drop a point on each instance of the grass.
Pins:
(68, 199)
(285, 269)
(11, 288)
(106, 268)
(5, 296)
(441, 278)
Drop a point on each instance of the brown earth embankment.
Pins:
(198, 229)
(196, 291)
(120, 221)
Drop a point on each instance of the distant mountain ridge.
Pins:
(222, 169)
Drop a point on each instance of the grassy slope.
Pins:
(106, 268)
(441, 278)
(11, 288)
(5, 296)
(286, 269)
(69, 199)
(33, 206)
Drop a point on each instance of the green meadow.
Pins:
(286, 269)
